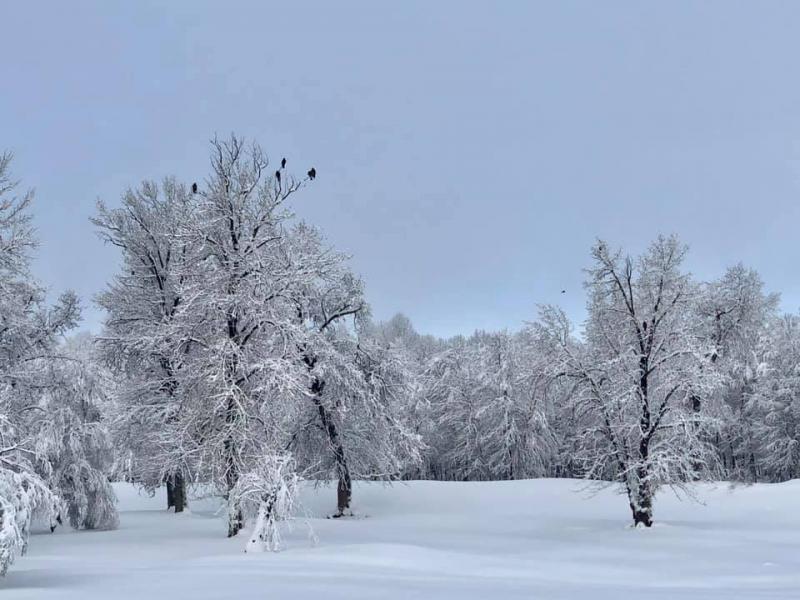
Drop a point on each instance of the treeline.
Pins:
(239, 353)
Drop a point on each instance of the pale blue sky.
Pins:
(468, 152)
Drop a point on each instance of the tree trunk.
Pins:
(753, 468)
(642, 508)
(235, 521)
(344, 489)
(180, 493)
(344, 492)
(641, 500)
(176, 492)
(235, 516)
(642, 515)
(263, 536)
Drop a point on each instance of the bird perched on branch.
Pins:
(312, 172)
(278, 176)
(194, 188)
(283, 163)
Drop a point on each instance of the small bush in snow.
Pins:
(268, 493)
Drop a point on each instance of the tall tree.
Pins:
(638, 373)
(234, 320)
(29, 333)
(140, 341)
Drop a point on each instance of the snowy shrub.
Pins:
(74, 440)
(269, 494)
(23, 495)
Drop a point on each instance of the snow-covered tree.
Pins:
(140, 342)
(454, 438)
(29, 332)
(734, 310)
(774, 402)
(735, 313)
(229, 324)
(267, 493)
(638, 374)
(411, 354)
(240, 374)
(487, 419)
(74, 435)
(519, 441)
(22, 494)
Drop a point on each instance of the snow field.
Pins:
(543, 538)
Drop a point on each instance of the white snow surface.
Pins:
(540, 539)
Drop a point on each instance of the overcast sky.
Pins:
(468, 154)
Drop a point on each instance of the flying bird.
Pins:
(278, 176)
(312, 172)
(194, 188)
(283, 163)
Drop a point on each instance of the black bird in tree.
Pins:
(644, 325)
(312, 172)
(563, 291)
(278, 176)
(283, 163)
(194, 188)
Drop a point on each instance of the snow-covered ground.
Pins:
(521, 539)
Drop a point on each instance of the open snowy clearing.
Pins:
(518, 539)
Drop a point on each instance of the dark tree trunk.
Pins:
(180, 493)
(235, 523)
(697, 463)
(344, 488)
(641, 503)
(643, 515)
(641, 499)
(176, 493)
(235, 517)
(52, 525)
(344, 492)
